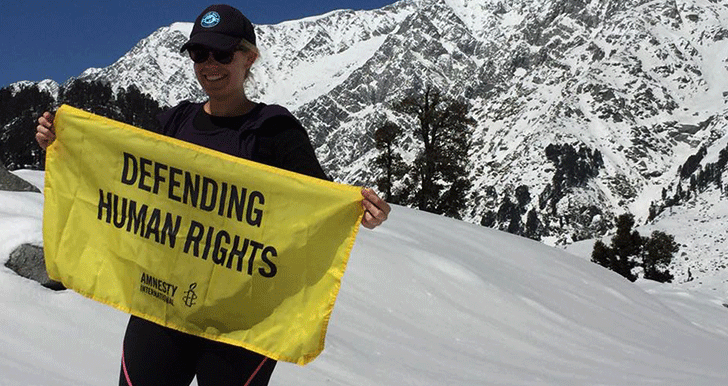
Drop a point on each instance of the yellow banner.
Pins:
(194, 239)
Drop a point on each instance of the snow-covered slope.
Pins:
(425, 300)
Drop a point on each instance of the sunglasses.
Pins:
(200, 55)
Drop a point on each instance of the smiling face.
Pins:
(225, 81)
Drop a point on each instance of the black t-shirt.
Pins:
(206, 122)
(268, 134)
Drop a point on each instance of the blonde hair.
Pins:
(246, 46)
(249, 47)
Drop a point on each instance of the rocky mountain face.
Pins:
(584, 109)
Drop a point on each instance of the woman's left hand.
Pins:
(376, 210)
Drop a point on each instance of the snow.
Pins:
(323, 74)
(426, 300)
(183, 27)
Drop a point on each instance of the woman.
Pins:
(223, 48)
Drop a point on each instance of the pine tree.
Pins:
(137, 108)
(18, 119)
(453, 200)
(657, 255)
(626, 245)
(603, 255)
(655, 252)
(20, 110)
(438, 177)
(488, 219)
(389, 160)
(95, 97)
(533, 225)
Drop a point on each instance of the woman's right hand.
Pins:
(45, 132)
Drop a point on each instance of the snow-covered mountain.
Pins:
(633, 87)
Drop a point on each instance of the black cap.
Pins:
(220, 27)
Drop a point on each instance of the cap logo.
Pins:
(210, 19)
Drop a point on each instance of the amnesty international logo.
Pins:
(190, 295)
(158, 288)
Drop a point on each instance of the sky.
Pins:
(425, 300)
(60, 39)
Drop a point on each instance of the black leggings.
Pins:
(154, 355)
